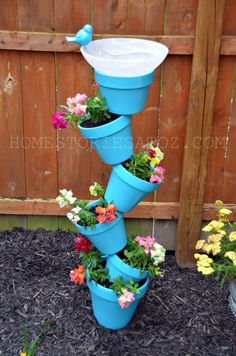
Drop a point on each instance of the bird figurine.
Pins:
(83, 36)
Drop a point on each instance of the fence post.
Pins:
(200, 115)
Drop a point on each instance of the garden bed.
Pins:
(181, 314)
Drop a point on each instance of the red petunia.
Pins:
(82, 243)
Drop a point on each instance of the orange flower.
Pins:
(77, 275)
(112, 208)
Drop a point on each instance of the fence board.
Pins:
(229, 23)
(181, 17)
(229, 185)
(217, 142)
(74, 159)
(200, 114)
(109, 16)
(173, 115)
(35, 15)
(9, 16)
(146, 17)
(71, 15)
(12, 177)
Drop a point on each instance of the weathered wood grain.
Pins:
(200, 116)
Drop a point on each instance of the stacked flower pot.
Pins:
(125, 96)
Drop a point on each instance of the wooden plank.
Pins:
(180, 17)
(145, 125)
(229, 182)
(56, 42)
(144, 210)
(173, 116)
(109, 16)
(8, 18)
(35, 15)
(146, 17)
(74, 156)
(229, 23)
(9, 222)
(200, 114)
(45, 222)
(179, 20)
(74, 152)
(38, 88)
(71, 15)
(217, 142)
(12, 177)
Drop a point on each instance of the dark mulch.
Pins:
(183, 314)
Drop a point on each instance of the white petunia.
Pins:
(76, 210)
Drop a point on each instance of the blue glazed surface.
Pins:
(119, 268)
(232, 297)
(125, 191)
(106, 308)
(108, 238)
(124, 95)
(113, 141)
(83, 36)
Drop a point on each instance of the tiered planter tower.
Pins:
(124, 69)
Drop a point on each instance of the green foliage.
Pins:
(118, 284)
(139, 166)
(87, 218)
(97, 110)
(95, 264)
(29, 349)
(135, 257)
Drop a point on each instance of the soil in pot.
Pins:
(89, 123)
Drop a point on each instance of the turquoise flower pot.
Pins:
(113, 141)
(124, 95)
(117, 268)
(232, 297)
(125, 190)
(106, 309)
(108, 238)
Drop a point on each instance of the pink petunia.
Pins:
(126, 298)
(146, 242)
(57, 120)
(159, 170)
(155, 179)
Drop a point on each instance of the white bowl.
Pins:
(124, 57)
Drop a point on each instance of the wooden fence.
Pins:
(189, 112)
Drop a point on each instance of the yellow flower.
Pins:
(232, 236)
(225, 212)
(206, 270)
(232, 256)
(154, 161)
(197, 256)
(199, 244)
(214, 225)
(214, 238)
(93, 189)
(204, 260)
(207, 248)
(23, 353)
(218, 202)
(216, 248)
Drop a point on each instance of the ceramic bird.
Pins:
(83, 36)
